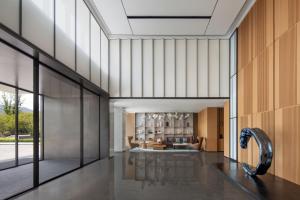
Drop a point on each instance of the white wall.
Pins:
(169, 68)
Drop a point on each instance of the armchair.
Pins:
(132, 144)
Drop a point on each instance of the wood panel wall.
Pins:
(269, 82)
(208, 128)
(129, 127)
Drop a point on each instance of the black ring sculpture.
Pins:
(265, 150)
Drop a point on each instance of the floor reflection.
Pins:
(172, 175)
(159, 169)
(145, 176)
(267, 186)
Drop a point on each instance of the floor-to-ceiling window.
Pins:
(7, 127)
(233, 97)
(69, 123)
(70, 114)
(25, 127)
(16, 121)
(91, 124)
(61, 131)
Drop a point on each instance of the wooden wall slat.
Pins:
(298, 61)
(264, 121)
(269, 82)
(287, 142)
(286, 69)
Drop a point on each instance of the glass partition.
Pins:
(91, 121)
(233, 97)
(15, 68)
(61, 145)
(16, 147)
(61, 131)
(7, 127)
(25, 127)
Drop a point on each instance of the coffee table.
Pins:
(180, 145)
(159, 146)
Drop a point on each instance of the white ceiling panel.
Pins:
(167, 105)
(223, 16)
(169, 7)
(142, 22)
(168, 26)
(114, 16)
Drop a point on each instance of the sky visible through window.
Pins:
(27, 100)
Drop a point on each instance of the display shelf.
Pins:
(158, 125)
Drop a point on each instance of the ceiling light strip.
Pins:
(168, 17)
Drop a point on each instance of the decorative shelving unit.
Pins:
(140, 126)
(151, 126)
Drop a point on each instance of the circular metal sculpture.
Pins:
(265, 150)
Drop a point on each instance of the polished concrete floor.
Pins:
(146, 176)
(7, 155)
(18, 179)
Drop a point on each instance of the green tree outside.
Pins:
(7, 118)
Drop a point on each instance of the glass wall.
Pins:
(25, 127)
(7, 127)
(233, 97)
(16, 141)
(91, 126)
(61, 131)
(67, 31)
(104, 127)
(69, 115)
(69, 122)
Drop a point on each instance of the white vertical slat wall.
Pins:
(65, 35)
(125, 68)
(203, 68)
(67, 32)
(114, 75)
(224, 68)
(158, 59)
(9, 14)
(38, 23)
(95, 57)
(83, 39)
(214, 68)
(137, 71)
(104, 61)
(169, 68)
(180, 67)
(148, 68)
(192, 69)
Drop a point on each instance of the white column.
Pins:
(118, 129)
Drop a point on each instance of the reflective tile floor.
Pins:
(148, 176)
